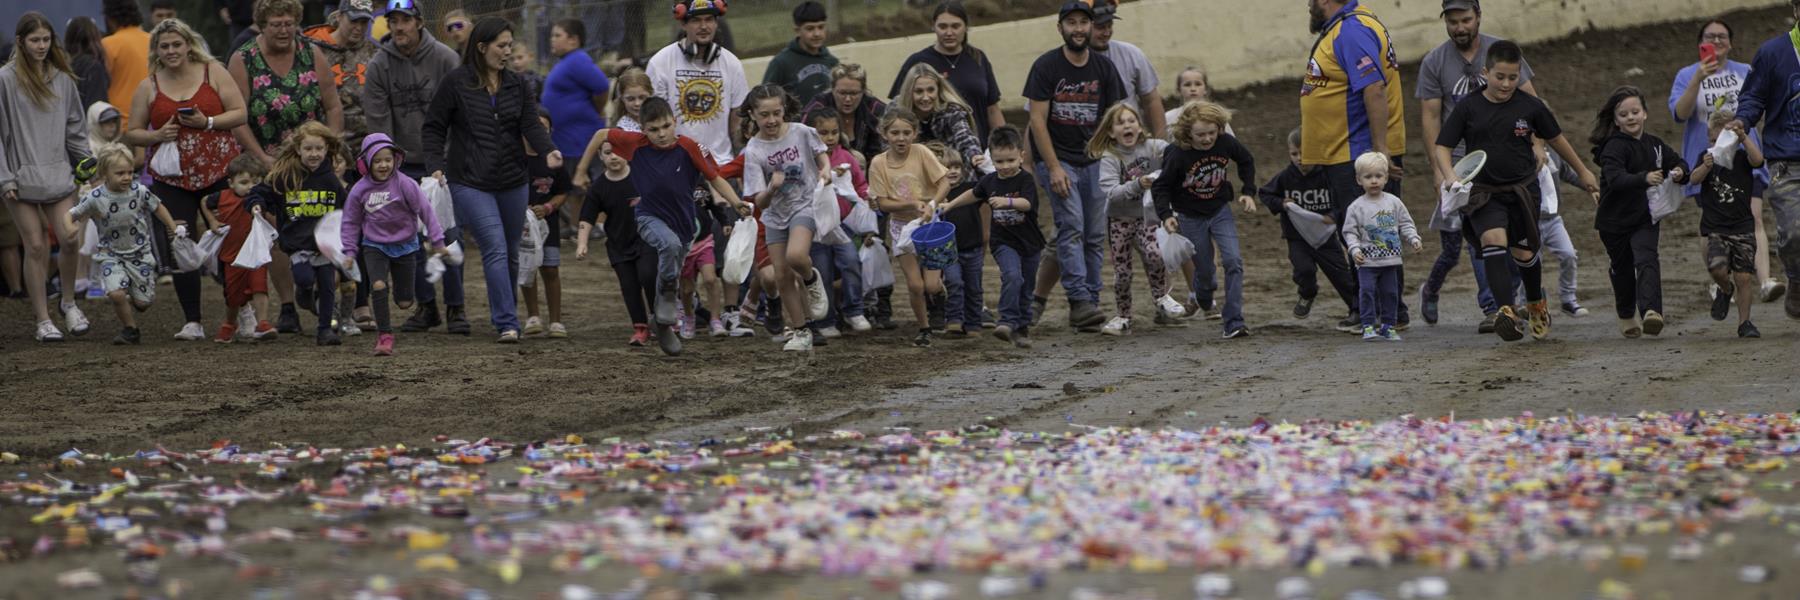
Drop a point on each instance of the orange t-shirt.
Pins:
(128, 63)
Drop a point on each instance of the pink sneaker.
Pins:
(384, 345)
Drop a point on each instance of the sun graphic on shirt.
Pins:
(699, 99)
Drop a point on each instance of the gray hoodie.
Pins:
(40, 143)
(1119, 178)
(400, 88)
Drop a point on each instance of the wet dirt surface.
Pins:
(89, 395)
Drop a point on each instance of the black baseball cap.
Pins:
(1450, 5)
(1106, 11)
(1074, 6)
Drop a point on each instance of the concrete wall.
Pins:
(1243, 42)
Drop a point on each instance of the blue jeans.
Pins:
(497, 220)
(834, 262)
(1080, 229)
(1451, 243)
(962, 283)
(670, 250)
(1018, 276)
(1220, 230)
(1378, 295)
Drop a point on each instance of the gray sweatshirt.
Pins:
(40, 143)
(1378, 229)
(1119, 172)
(399, 91)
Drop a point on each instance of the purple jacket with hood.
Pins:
(386, 212)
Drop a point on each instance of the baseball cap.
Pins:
(409, 7)
(1106, 11)
(108, 114)
(1450, 5)
(1074, 6)
(357, 10)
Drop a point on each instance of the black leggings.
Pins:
(185, 206)
(379, 267)
(323, 280)
(637, 282)
(1635, 269)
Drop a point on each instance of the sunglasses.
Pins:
(402, 5)
(456, 26)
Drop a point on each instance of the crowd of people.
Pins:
(341, 170)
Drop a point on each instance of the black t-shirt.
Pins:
(1310, 190)
(546, 183)
(1504, 131)
(618, 199)
(1725, 198)
(970, 74)
(1078, 96)
(1016, 229)
(1195, 181)
(967, 220)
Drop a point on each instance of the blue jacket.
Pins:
(1772, 94)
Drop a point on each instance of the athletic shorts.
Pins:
(699, 255)
(1734, 252)
(772, 235)
(1504, 211)
(241, 284)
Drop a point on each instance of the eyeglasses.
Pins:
(1716, 37)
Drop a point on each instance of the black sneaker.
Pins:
(1085, 314)
(923, 339)
(988, 320)
(307, 298)
(772, 321)
(1428, 306)
(885, 323)
(455, 321)
(289, 321)
(130, 335)
(1506, 325)
(328, 337)
(1747, 330)
(1721, 306)
(1303, 307)
(423, 319)
(818, 339)
(1240, 332)
(934, 312)
(1021, 339)
(1349, 325)
(1487, 324)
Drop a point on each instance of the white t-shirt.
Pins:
(702, 94)
(796, 156)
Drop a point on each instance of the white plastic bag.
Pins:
(877, 270)
(90, 239)
(904, 245)
(1664, 198)
(1176, 249)
(825, 216)
(1452, 200)
(438, 196)
(841, 182)
(1724, 149)
(187, 254)
(531, 248)
(328, 235)
(862, 219)
(1551, 200)
(167, 160)
(434, 269)
(456, 253)
(1311, 225)
(255, 251)
(740, 251)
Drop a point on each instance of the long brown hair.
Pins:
(33, 75)
(288, 172)
(631, 78)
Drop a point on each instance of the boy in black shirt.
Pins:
(962, 281)
(1502, 209)
(1018, 244)
(1194, 186)
(1309, 188)
(1727, 220)
(632, 260)
(547, 189)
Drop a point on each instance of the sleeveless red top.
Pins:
(204, 154)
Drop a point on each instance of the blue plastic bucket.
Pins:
(935, 244)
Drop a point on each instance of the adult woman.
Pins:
(284, 81)
(43, 123)
(967, 67)
(1699, 90)
(486, 114)
(188, 100)
(575, 91)
(858, 112)
(88, 59)
(944, 114)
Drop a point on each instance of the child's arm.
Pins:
(1352, 231)
(1246, 163)
(581, 239)
(1615, 169)
(1271, 196)
(1751, 148)
(207, 208)
(1111, 169)
(1704, 171)
(1408, 231)
(351, 229)
(1567, 152)
(168, 221)
(1673, 165)
(722, 189)
(71, 221)
(580, 178)
(1164, 189)
(964, 199)
(824, 168)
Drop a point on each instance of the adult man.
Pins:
(159, 11)
(401, 80)
(347, 47)
(1448, 74)
(702, 80)
(1134, 67)
(1348, 99)
(1767, 96)
(127, 52)
(804, 68)
(1069, 88)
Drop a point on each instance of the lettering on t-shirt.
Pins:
(1205, 177)
(1318, 201)
(700, 94)
(1719, 92)
(1521, 128)
(310, 204)
(1314, 79)
(1075, 103)
(376, 201)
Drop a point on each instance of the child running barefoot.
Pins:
(549, 189)
(610, 202)
(1308, 188)
(381, 221)
(230, 207)
(1018, 244)
(1193, 199)
(900, 180)
(784, 163)
(960, 306)
(1374, 227)
(300, 190)
(1631, 162)
(1127, 157)
(1728, 223)
(121, 209)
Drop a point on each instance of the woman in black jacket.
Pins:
(486, 113)
(88, 59)
(1631, 163)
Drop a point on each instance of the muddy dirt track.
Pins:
(89, 395)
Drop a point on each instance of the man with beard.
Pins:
(1448, 74)
(1134, 67)
(1349, 103)
(1069, 88)
(702, 80)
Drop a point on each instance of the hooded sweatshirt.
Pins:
(39, 145)
(1624, 162)
(1119, 177)
(94, 112)
(803, 74)
(399, 89)
(385, 212)
(298, 210)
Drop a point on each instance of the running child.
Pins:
(784, 164)
(959, 307)
(611, 199)
(548, 190)
(381, 220)
(1374, 227)
(1631, 162)
(231, 207)
(1307, 187)
(121, 210)
(1010, 194)
(1556, 234)
(1727, 221)
(839, 262)
(906, 182)
(1127, 156)
(1193, 86)
(1192, 197)
(666, 168)
(301, 189)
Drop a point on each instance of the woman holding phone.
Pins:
(189, 102)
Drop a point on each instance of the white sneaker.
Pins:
(349, 328)
(830, 332)
(191, 332)
(736, 328)
(533, 326)
(246, 321)
(859, 324)
(799, 341)
(1117, 326)
(1170, 306)
(1712, 291)
(817, 302)
(1772, 290)
(47, 332)
(78, 323)
(718, 328)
